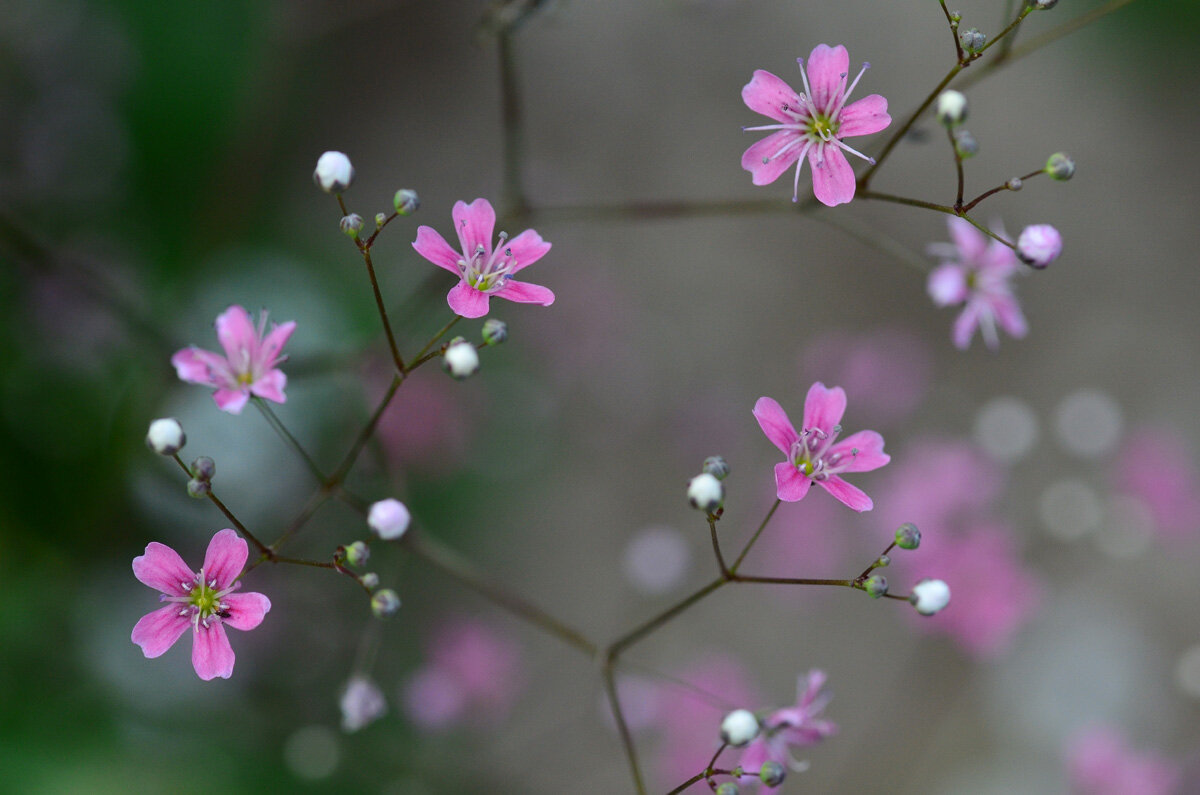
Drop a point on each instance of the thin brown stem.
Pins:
(865, 179)
(647, 627)
(887, 197)
(754, 538)
(286, 435)
(958, 167)
(716, 544)
(433, 341)
(614, 702)
(228, 513)
(383, 315)
(953, 23)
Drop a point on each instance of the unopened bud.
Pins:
(1044, 5)
(406, 201)
(726, 788)
(1014, 184)
(930, 596)
(1039, 245)
(908, 536)
(1060, 166)
(334, 172)
(739, 728)
(460, 360)
(951, 108)
(351, 225)
(705, 493)
(198, 489)
(358, 553)
(875, 586)
(494, 331)
(370, 580)
(965, 144)
(388, 519)
(716, 466)
(380, 220)
(882, 561)
(362, 702)
(166, 436)
(972, 40)
(204, 468)
(384, 603)
(772, 773)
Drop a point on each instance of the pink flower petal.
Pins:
(852, 496)
(246, 610)
(765, 173)
(790, 485)
(270, 386)
(527, 248)
(466, 301)
(775, 424)
(526, 293)
(273, 343)
(870, 453)
(833, 179)
(767, 94)
(231, 400)
(163, 570)
(827, 68)
(965, 325)
(226, 555)
(823, 408)
(474, 223)
(157, 631)
(237, 335)
(970, 242)
(433, 247)
(197, 366)
(867, 115)
(212, 656)
(1009, 315)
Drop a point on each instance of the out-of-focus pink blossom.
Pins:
(249, 366)
(791, 727)
(994, 593)
(203, 601)
(1160, 471)
(814, 455)
(976, 270)
(484, 271)
(1100, 762)
(812, 124)
(471, 675)
(1039, 245)
(887, 370)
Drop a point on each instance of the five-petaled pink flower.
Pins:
(202, 601)
(814, 455)
(249, 366)
(484, 271)
(812, 124)
(790, 727)
(976, 271)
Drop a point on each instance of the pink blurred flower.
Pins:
(471, 672)
(249, 365)
(204, 601)
(954, 483)
(995, 595)
(1099, 762)
(484, 271)
(812, 124)
(790, 727)
(1160, 471)
(887, 370)
(814, 454)
(976, 271)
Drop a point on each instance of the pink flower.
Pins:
(790, 727)
(484, 271)
(1100, 762)
(204, 601)
(248, 366)
(814, 454)
(813, 124)
(886, 369)
(1159, 470)
(977, 272)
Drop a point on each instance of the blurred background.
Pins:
(155, 163)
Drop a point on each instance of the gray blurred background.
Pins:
(155, 165)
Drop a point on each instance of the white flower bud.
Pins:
(716, 466)
(406, 201)
(198, 489)
(388, 519)
(1060, 166)
(705, 492)
(334, 172)
(384, 603)
(358, 553)
(739, 728)
(362, 703)
(166, 436)
(460, 360)
(972, 40)
(370, 580)
(1039, 245)
(495, 331)
(875, 586)
(951, 108)
(351, 225)
(772, 773)
(965, 144)
(204, 468)
(1044, 5)
(930, 596)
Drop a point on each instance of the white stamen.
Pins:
(853, 151)
(807, 95)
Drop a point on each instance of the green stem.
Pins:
(887, 197)
(958, 50)
(383, 315)
(515, 203)
(753, 539)
(431, 343)
(275, 423)
(228, 513)
(865, 179)
(793, 581)
(716, 543)
(614, 702)
(364, 435)
(644, 629)
(971, 204)
(1011, 27)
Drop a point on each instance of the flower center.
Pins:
(488, 273)
(810, 453)
(823, 127)
(204, 604)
